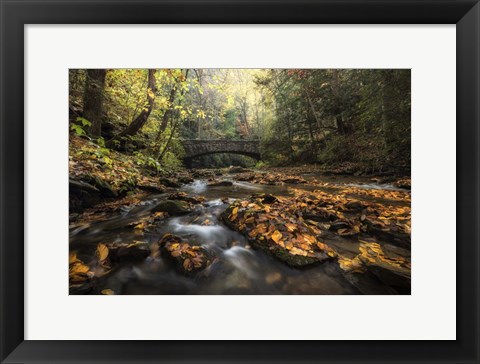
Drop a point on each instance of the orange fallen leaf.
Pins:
(277, 236)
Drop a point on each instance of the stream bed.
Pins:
(238, 267)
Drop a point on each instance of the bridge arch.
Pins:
(196, 148)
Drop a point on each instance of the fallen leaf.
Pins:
(187, 264)
(102, 252)
(277, 236)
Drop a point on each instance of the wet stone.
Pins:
(182, 196)
(188, 257)
(134, 252)
(173, 207)
(169, 182)
(220, 183)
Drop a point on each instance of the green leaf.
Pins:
(84, 121)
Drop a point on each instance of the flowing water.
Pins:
(238, 269)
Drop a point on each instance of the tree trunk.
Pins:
(317, 119)
(93, 100)
(172, 133)
(168, 114)
(142, 118)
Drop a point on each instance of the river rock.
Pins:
(272, 229)
(221, 183)
(82, 195)
(203, 173)
(340, 224)
(173, 207)
(293, 180)
(80, 186)
(185, 179)
(355, 206)
(404, 183)
(237, 169)
(266, 198)
(188, 257)
(169, 182)
(378, 262)
(399, 238)
(151, 188)
(105, 189)
(182, 196)
(134, 252)
(247, 176)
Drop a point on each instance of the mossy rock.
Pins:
(173, 207)
(105, 189)
(169, 182)
(293, 260)
(277, 251)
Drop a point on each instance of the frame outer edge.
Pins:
(12, 179)
(468, 181)
(11, 172)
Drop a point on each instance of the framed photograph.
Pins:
(199, 181)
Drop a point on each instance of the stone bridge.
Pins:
(196, 148)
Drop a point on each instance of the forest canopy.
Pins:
(355, 118)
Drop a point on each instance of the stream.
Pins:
(238, 269)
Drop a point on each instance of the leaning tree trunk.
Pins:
(168, 115)
(142, 118)
(93, 100)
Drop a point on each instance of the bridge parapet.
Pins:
(198, 147)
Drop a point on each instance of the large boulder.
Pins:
(263, 219)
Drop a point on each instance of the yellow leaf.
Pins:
(235, 211)
(107, 291)
(310, 239)
(140, 226)
(73, 258)
(276, 236)
(189, 252)
(79, 267)
(102, 251)
(291, 227)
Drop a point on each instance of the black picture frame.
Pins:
(15, 14)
